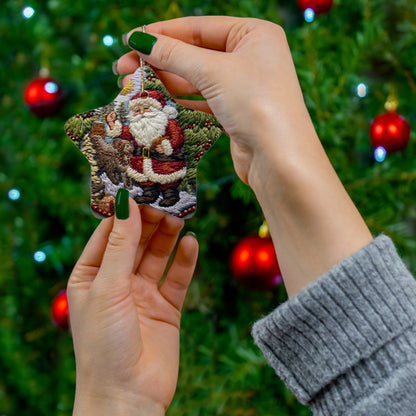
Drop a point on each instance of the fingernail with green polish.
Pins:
(120, 81)
(122, 204)
(191, 233)
(142, 42)
(114, 67)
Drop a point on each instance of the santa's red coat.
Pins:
(165, 170)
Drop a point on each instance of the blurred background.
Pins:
(352, 58)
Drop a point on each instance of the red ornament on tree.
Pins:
(60, 311)
(318, 6)
(390, 131)
(44, 97)
(254, 263)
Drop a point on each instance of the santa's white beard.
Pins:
(148, 127)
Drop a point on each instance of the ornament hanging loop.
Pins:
(264, 230)
(392, 102)
(143, 93)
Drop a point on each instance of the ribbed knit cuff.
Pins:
(345, 331)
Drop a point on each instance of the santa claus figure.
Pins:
(157, 164)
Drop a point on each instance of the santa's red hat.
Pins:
(155, 99)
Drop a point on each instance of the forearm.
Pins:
(312, 220)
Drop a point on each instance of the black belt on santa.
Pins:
(148, 153)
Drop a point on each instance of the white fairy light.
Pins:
(362, 90)
(380, 154)
(28, 12)
(108, 40)
(14, 194)
(39, 256)
(309, 15)
(51, 87)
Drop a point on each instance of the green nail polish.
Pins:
(120, 81)
(142, 42)
(191, 233)
(122, 204)
(114, 67)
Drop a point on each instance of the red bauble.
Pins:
(391, 131)
(318, 6)
(254, 263)
(60, 311)
(44, 97)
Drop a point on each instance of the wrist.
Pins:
(115, 404)
(312, 220)
(284, 151)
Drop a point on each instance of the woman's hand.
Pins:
(125, 320)
(244, 69)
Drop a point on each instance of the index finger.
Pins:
(209, 32)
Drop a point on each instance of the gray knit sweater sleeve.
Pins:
(346, 345)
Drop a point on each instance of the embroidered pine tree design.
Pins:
(145, 142)
(127, 89)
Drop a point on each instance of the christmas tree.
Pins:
(350, 60)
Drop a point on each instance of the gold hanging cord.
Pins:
(142, 92)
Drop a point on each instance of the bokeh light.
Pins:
(28, 12)
(309, 15)
(39, 256)
(108, 40)
(14, 194)
(380, 154)
(362, 90)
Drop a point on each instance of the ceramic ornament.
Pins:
(145, 142)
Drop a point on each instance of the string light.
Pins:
(108, 40)
(309, 15)
(362, 90)
(14, 194)
(51, 87)
(380, 154)
(39, 256)
(28, 12)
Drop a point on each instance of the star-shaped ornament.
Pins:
(144, 142)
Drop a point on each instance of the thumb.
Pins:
(190, 62)
(119, 256)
